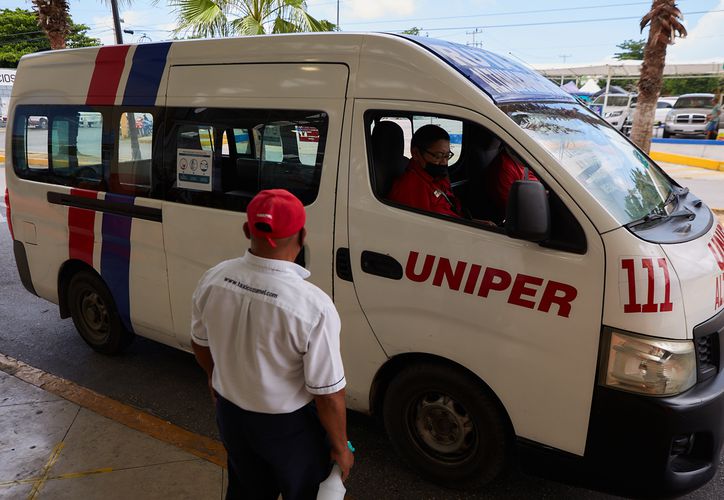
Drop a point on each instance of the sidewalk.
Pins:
(54, 448)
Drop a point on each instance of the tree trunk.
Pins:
(650, 82)
(53, 19)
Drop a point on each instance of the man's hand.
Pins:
(345, 460)
(333, 416)
(211, 390)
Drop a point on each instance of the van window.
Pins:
(259, 149)
(609, 167)
(479, 179)
(51, 144)
(131, 173)
(36, 142)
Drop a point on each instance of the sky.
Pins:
(550, 32)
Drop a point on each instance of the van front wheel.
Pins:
(95, 314)
(447, 426)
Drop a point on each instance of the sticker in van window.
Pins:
(193, 169)
(645, 285)
(531, 292)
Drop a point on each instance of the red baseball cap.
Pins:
(274, 214)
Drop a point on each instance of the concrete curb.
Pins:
(691, 161)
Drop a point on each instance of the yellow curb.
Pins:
(196, 444)
(692, 161)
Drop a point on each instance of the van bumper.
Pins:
(647, 446)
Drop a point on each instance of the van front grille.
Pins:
(707, 351)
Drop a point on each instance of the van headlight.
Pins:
(670, 118)
(648, 365)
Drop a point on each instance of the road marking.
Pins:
(196, 444)
(40, 482)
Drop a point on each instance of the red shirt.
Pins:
(503, 173)
(418, 189)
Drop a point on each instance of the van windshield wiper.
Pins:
(657, 215)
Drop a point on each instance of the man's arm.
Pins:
(204, 359)
(333, 415)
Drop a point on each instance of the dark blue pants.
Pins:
(269, 454)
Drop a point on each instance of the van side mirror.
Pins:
(528, 214)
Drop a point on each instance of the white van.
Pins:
(614, 108)
(585, 326)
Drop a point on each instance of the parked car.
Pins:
(688, 116)
(614, 109)
(90, 119)
(663, 106)
(38, 121)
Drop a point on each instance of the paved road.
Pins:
(167, 383)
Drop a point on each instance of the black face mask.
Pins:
(435, 170)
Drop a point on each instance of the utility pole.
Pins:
(116, 22)
(564, 57)
(476, 31)
(338, 29)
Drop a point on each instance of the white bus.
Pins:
(585, 326)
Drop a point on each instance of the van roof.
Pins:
(383, 65)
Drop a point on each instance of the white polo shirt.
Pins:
(274, 337)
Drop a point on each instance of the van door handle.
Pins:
(381, 265)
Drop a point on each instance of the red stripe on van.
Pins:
(81, 227)
(107, 75)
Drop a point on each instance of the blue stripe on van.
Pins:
(149, 61)
(116, 257)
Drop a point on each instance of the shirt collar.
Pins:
(276, 265)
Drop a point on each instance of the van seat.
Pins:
(388, 160)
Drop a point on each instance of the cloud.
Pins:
(375, 9)
(704, 41)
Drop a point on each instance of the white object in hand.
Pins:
(332, 488)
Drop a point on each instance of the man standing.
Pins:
(269, 343)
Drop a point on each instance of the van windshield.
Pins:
(610, 168)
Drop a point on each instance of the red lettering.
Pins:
(666, 305)
(444, 270)
(426, 267)
(551, 296)
(632, 306)
(519, 289)
(489, 281)
(650, 306)
(472, 278)
(719, 292)
(716, 245)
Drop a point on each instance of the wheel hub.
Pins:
(443, 425)
(95, 312)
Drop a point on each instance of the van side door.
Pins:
(231, 131)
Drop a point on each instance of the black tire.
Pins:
(95, 314)
(666, 134)
(447, 426)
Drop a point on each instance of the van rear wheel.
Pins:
(447, 426)
(95, 314)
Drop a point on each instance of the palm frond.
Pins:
(201, 17)
(249, 25)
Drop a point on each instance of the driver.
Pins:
(425, 183)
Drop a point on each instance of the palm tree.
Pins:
(209, 18)
(664, 21)
(53, 18)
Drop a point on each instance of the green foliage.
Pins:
(412, 31)
(21, 35)
(210, 18)
(671, 86)
(631, 49)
